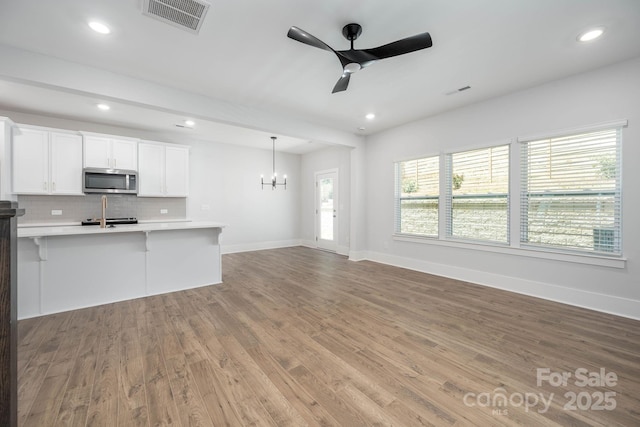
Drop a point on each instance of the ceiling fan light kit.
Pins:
(354, 60)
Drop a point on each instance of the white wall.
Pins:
(227, 178)
(329, 158)
(603, 95)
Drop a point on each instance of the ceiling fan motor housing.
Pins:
(352, 31)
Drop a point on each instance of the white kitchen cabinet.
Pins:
(150, 170)
(46, 162)
(163, 170)
(30, 152)
(66, 163)
(110, 152)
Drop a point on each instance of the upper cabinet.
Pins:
(46, 162)
(110, 152)
(163, 170)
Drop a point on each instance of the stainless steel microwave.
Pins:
(109, 181)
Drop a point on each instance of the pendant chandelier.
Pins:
(274, 175)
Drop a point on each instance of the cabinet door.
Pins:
(151, 170)
(177, 172)
(124, 154)
(30, 152)
(66, 164)
(97, 152)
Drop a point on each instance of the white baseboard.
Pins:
(340, 250)
(618, 306)
(258, 246)
(308, 244)
(358, 256)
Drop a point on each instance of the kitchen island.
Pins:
(64, 268)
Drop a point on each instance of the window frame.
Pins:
(398, 198)
(616, 192)
(449, 196)
(514, 247)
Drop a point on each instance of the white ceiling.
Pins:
(242, 57)
(26, 98)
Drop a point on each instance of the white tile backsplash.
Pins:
(77, 208)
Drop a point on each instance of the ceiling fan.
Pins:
(353, 60)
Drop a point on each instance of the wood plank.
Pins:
(77, 396)
(191, 409)
(47, 403)
(103, 406)
(298, 397)
(280, 410)
(46, 344)
(161, 405)
(132, 398)
(218, 404)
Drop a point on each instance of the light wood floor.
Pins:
(300, 337)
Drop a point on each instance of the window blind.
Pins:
(417, 192)
(571, 192)
(477, 200)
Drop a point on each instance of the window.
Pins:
(570, 192)
(478, 194)
(417, 190)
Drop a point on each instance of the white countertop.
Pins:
(71, 230)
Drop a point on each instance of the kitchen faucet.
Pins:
(103, 218)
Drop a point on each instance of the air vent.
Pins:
(458, 90)
(185, 14)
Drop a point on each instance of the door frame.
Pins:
(336, 221)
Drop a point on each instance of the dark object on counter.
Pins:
(111, 221)
(9, 312)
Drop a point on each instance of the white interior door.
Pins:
(327, 210)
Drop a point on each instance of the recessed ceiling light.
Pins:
(591, 34)
(99, 27)
(370, 116)
(103, 107)
(189, 122)
(361, 128)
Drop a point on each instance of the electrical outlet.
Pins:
(164, 211)
(56, 211)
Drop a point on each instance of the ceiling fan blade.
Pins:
(342, 84)
(306, 38)
(400, 47)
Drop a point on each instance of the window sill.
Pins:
(598, 260)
